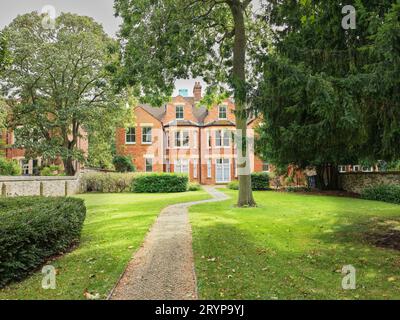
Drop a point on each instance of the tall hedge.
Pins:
(384, 192)
(160, 183)
(260, 181)
(33, 229)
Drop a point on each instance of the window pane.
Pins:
(131, 135)
(146, 135)
(222, 112)
(177, 139)
(179, 112)
(185, 142)
(149, 165)
(226, 138)
(218, 138)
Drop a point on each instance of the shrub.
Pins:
(123, 164)
(33, 229)
(50, 171)
(233, 185)
(383, 192)
(9, 167)
(108, 182)
(194, 187)
(160, 183)
(260, 181)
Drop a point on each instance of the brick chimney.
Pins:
(197, 91)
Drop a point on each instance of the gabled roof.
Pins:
(156, 112)
(220, 123)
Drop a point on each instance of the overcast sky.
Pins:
(101, 10)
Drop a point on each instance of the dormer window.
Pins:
(179, 113)
(222, 114)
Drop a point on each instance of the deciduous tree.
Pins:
(59, 85)
(213, 39)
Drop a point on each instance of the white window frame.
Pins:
(226, 112)
(145, 164)
(195, 168)
(358, 168)
(209, 143)
(342, 169)
(179, 139)
(266, 164)
(147, 134)
(176, 112)
(209, 168)
(130, 134)
(181, 164)
(224, 137)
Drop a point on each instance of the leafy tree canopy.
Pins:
(59, 85)
(329, 95)
(167, 40)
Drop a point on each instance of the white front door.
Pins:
(223, 170)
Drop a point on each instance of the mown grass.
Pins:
(115, 227)
(293, 247)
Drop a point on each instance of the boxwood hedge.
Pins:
(33, 229)
(383, 192)
(160, 183)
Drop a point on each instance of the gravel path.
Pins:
(163, 268)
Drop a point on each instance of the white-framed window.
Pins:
(266, 167)
(24, 166)
(342, 169)
(179, 112)
(167, 166)
(209, 167)
(182, 139)
(149, 164)
(208, 139)
(130, 136)
(222, 138)
(356, 168)
(195, 168)
(222, 112)
(367, 169)
(181, 166)
(146, 135)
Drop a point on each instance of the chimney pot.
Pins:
(197, 91)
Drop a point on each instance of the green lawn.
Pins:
(293, 247)
(115, 227)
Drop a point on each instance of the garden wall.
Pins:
(39, 186)
(357, 181)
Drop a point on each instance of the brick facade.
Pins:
(180, 136)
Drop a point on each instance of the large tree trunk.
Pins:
(327, 177)
(239, 86)
(69, 166)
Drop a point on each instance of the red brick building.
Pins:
(182, 137)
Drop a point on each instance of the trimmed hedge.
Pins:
(32, 229)
(383, 192)
(194, 187)
(160, 183)
(260, 181)
(108, 182)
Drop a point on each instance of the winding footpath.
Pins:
(163, 267)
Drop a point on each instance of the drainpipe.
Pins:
(199, 144)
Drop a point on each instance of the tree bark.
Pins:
(327, 177)
(69, 166)
(239, 86)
